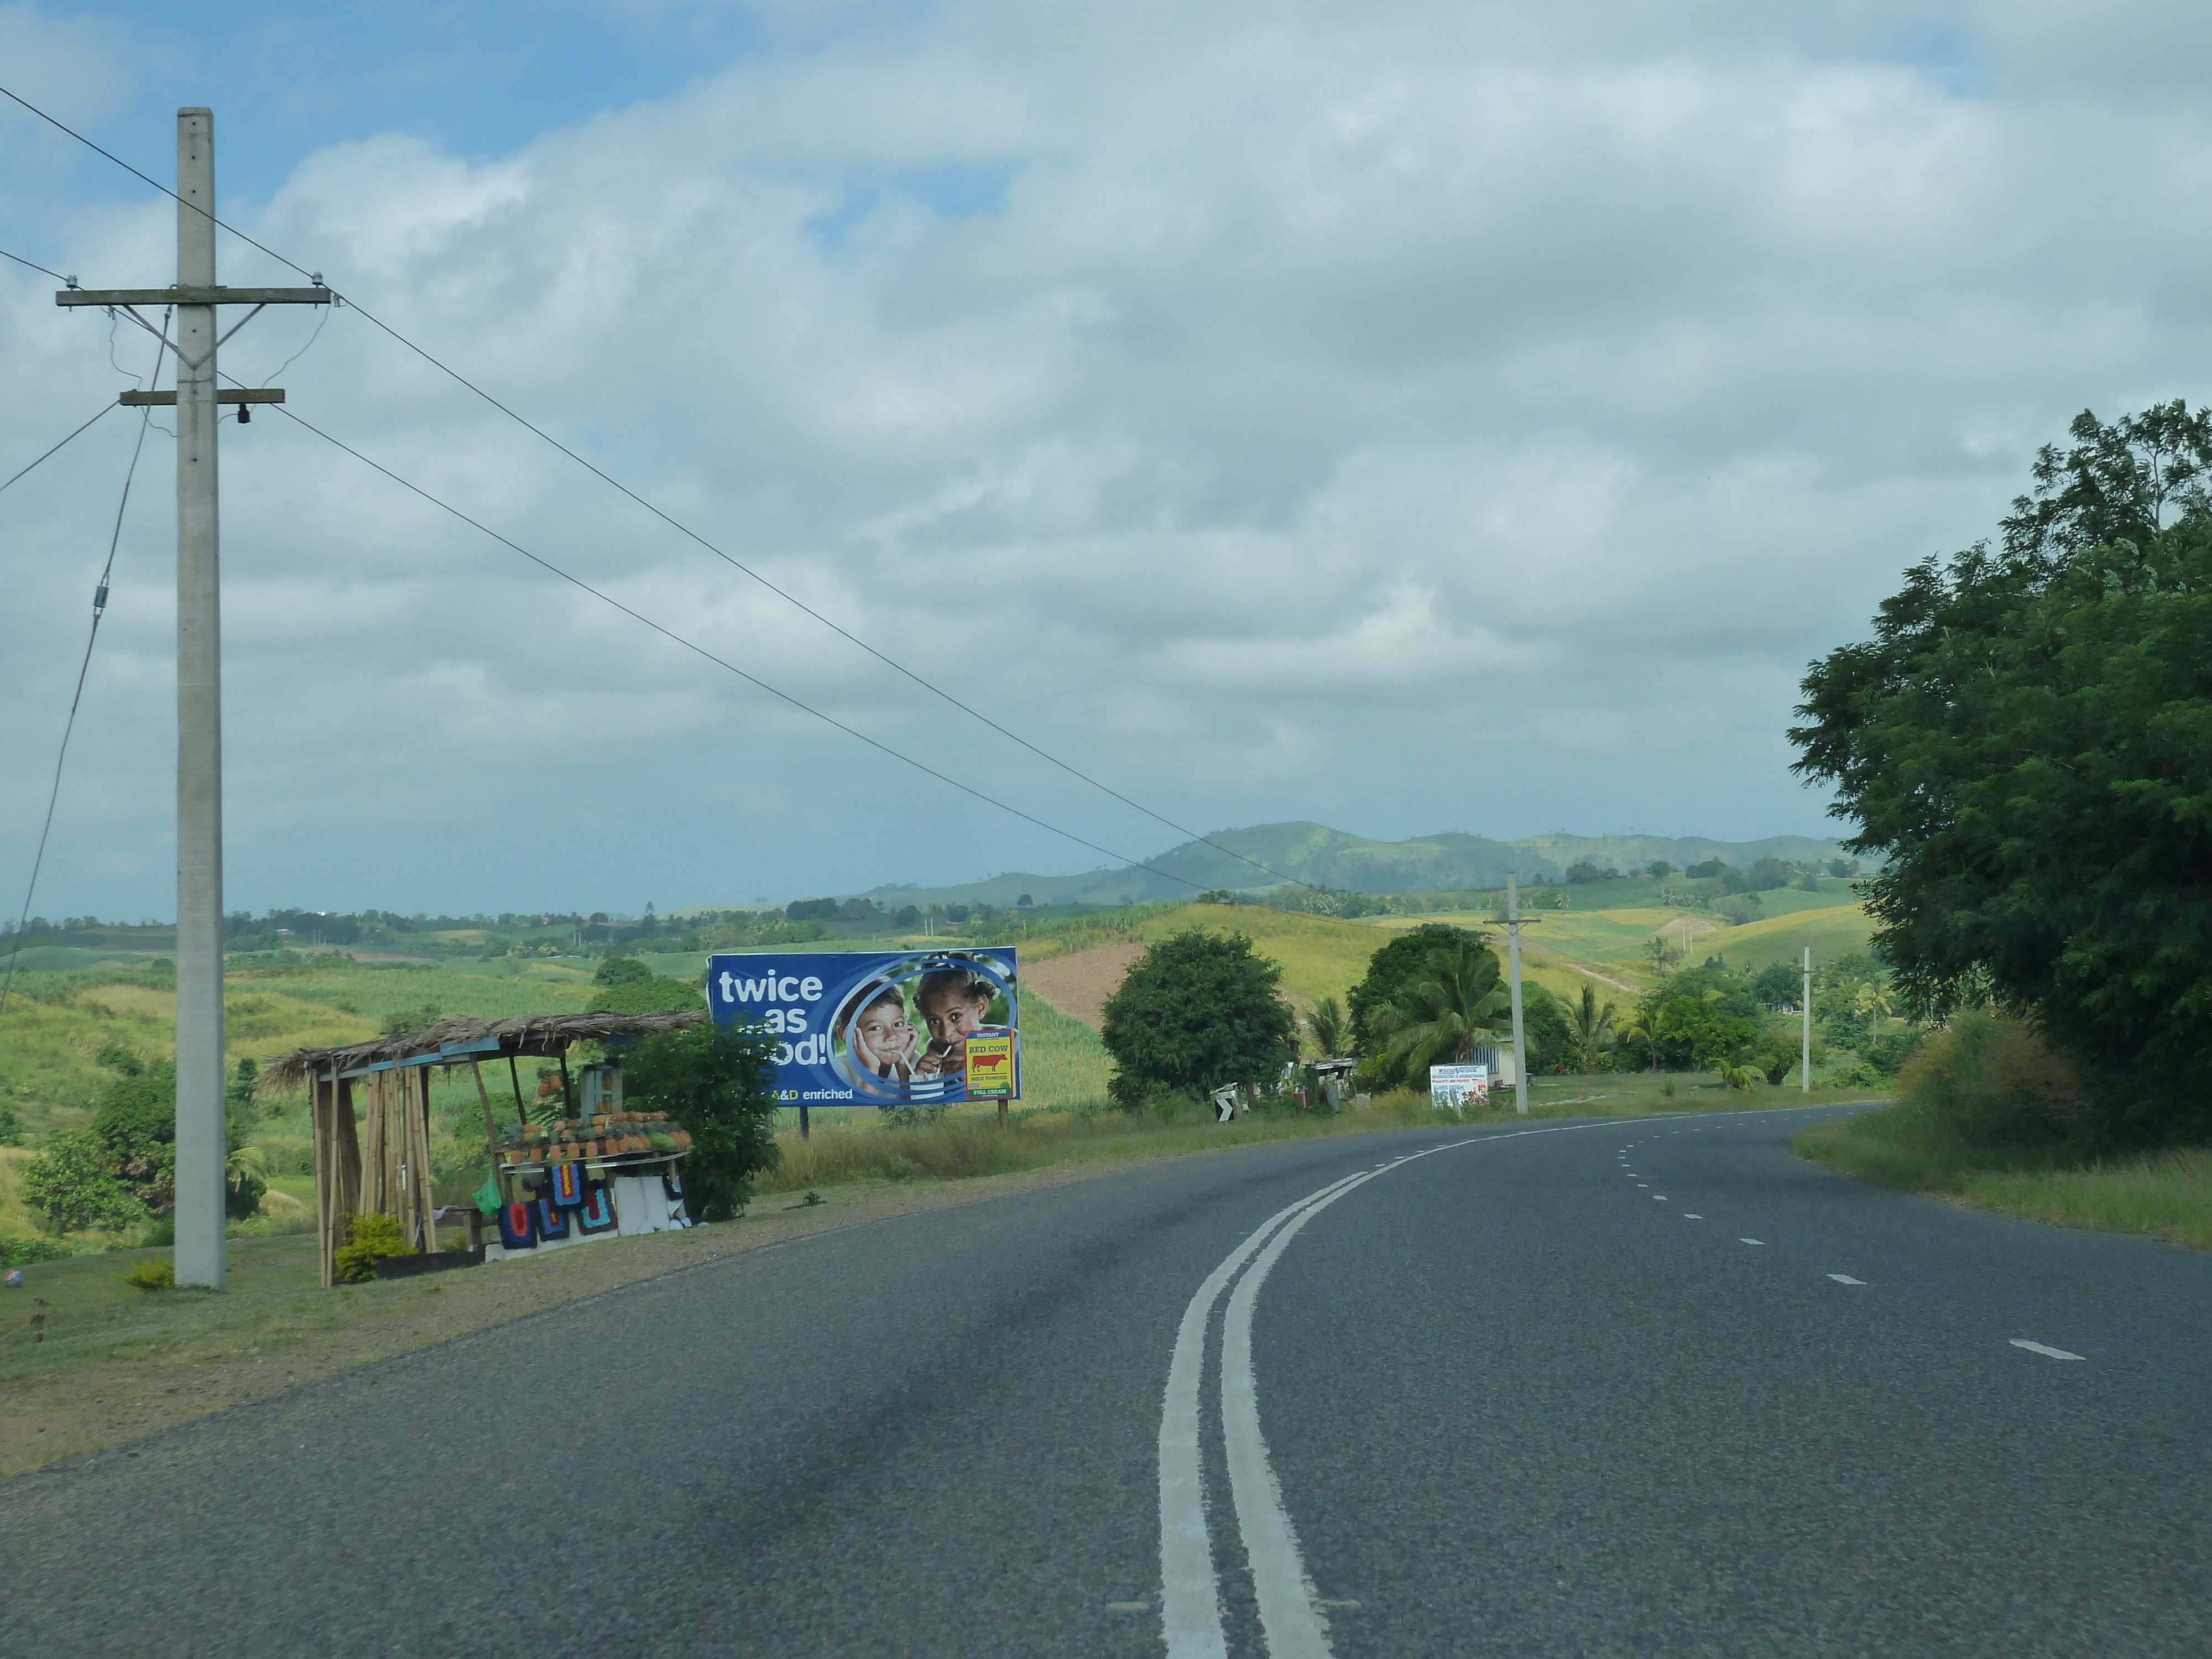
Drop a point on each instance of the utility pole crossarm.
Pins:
(243, 394)
(193, 297)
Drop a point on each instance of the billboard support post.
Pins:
(802, 1121)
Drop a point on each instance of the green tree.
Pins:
(2027, 741)
(622, 970)
(1545, 1025)
(1779, 985)
(134, 1128)
(1328, 1028)
(1197, 1011)
(717, 1083)
(1438, 1018)
(1403, 959)
(71, 1184)
(1592, 1027)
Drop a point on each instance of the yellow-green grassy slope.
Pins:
(50, 1072)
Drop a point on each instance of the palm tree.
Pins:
(1876, 1001)
(1328, 1028)
(1591, 1026)
(1643, 1029)
(1439, 1018)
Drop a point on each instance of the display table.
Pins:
(609, 1198)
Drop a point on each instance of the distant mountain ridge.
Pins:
(1322, 857)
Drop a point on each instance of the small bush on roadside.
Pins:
(20, 1249)
(156, 1272)
(369, 1240)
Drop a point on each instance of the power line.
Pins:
(104, 408)
(721, 662)
(676, 524)
(69, 727)
(66, 281)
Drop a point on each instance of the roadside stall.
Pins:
(587, 1170)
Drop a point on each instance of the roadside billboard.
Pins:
(878, 1028)
(1459, 1086)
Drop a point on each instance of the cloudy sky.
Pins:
(1408, 417)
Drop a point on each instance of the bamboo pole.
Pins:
(415, 1102)
(348, 1146)
(491, 1126)
(323, 1109)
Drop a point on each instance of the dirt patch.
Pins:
(1078, 985)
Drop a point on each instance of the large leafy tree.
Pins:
(1195, 1012)
(1439, 1017)
(1389, 970)
(2027, 740)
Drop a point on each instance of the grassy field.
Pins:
(1833, 930)
(2165, 1195)
(1563, 946)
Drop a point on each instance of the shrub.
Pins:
(1990, 1081)
(717, 1083)
(622, 970)
(20, 1249)
(1887, 1053)
(11, 1126)
(69, 1183)
(156, 1272)
(369, 1240)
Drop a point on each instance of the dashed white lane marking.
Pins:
(1845, 1279)
(1643, 1183)
(1686, 1216)
(2047, 1350)
(1751, 1240)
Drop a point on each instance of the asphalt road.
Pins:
(1512, 1392)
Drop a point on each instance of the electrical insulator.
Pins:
(99, 599)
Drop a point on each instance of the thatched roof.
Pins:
(460, 1040)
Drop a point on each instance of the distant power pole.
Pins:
(1513, 959)
(201, 1152)
(1805, 1074)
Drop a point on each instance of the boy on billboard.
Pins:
(882, 1038)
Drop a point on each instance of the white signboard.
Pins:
(1459, 1086)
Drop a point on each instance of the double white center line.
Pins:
(1190, 1600)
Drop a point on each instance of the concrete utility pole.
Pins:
(1513, 960)
(202, 1153)
(1805, 1075)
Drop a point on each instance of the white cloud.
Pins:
(1409, 417)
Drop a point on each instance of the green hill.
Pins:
(1314, 853)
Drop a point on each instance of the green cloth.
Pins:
(488, 1195)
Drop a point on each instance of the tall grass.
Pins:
(1989, 1114)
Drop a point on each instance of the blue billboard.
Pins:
(878, 1028)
